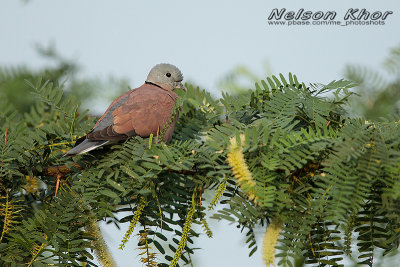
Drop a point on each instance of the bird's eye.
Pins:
(168, 74)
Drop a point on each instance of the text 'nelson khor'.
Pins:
(351, 14)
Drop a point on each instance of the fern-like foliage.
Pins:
(378, 89)
(284, 150)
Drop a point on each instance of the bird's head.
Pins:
(166, 76)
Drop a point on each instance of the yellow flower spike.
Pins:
(206, 228)
(101, 250)
(134, 221)
(271, 240)
(218, 194)
(185, 231)
(240, 169)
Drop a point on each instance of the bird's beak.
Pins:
(181, 86)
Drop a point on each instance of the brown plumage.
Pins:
(146, 111)
(142, 111)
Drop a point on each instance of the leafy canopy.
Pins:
(283, 154)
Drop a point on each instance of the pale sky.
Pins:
(205, 39)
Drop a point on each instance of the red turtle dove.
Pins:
(139, 112)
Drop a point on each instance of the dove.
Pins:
(140, 112)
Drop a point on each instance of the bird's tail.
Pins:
(84, 146)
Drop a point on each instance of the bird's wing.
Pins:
(146, 111)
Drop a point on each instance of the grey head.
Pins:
(166, 76)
